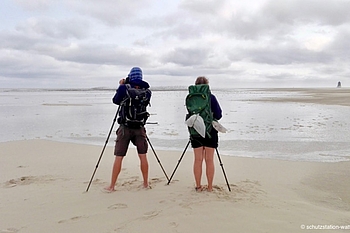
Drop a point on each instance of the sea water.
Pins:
(260, 129)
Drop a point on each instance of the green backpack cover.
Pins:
(198, 102)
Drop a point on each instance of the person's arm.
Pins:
(215, 108)
(119, 95)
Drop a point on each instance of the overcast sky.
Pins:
(256, 43)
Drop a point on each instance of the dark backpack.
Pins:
(134, 107)
(198, 101)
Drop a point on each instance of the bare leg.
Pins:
(210, 169)
(197, 165)
(117, 166)
(144, 169)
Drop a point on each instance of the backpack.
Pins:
(134, 107)
(198, 101)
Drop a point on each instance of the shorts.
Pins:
(137, 136)
(207, 142)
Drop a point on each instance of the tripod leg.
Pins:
(183, 153)
(104, 147)
(223, 171)
(154, 152)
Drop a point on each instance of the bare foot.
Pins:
(199, 188)
(108, 189)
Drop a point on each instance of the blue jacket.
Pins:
(215, 107)
(121, 91)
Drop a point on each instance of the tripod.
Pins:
(221, 164)
(104, 147)
(154, 152)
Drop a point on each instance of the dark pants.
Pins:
(212, 142)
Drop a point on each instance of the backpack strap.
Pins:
(127, 96)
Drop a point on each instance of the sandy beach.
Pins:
(43, 187)
(328, 96)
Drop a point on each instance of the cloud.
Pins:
(340, 46)
(52, 28)
(112, 13)
(261, 40)
(284, 55)
(186, 56)
(323, 12)
(35, 5)
(100, 54)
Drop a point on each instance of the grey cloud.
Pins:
(101, 54)
(273, 18)
(208, 7)
(186, 56)
(188, 71)
(43, 32)
(35, 5)
(278, 55)
(182, 31)
(25, 68)
(309, 11)
(60, 29)
(284, 17)
(331, 70)
(22, 64)
(111, 12)
(17, 41)
(340, 47)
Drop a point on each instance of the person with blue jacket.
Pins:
(126, 133)
(203, 148)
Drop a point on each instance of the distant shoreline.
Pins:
(185, 88)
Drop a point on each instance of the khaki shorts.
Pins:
(136, 136)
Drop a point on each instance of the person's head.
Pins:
(135, 74)
(201, 80)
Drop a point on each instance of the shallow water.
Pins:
(281, 130)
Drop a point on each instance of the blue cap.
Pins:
(135, 74)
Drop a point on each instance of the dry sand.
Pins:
(43, 187)
(329, 96)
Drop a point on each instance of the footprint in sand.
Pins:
(173, 224)
(26, 180)
(218, 188)
(117, 206)
(72, 219)
(150, 215)
(155, 180)
(248, 190)
(130, 181)
(9, 230)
